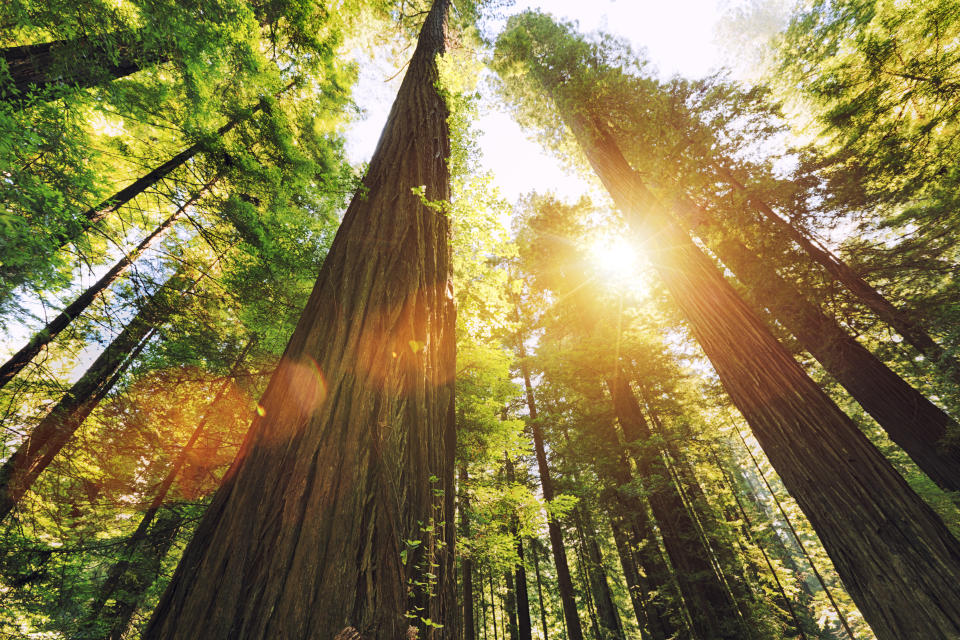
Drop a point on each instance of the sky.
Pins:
(678, 37)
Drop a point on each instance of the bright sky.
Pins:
(678, 36)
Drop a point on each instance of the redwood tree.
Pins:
(337, 515)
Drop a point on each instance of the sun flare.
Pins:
(614, 257)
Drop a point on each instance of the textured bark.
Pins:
(909, 418)
(79, 63)
(353, 455)
(712, 611)
(564, 581)
(895, 556)
(900, 320)
(39, 340)
(607, 616)
(467, 621)
(50, 435)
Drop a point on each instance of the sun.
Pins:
(614, 257)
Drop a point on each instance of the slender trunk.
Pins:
(864, 512)
(79, 63)
(53, 328)
(493, 606)
(536, 571)
(511, 606)
(483, 606)
(49, 436)
(910, 419)
(636, 585)
(352, 458)
(607, 615)
(796, 536)
(712, 611)
(123, 575)
(467, 565)
(900, 320)
(524, 625)
(585, 584)
(564, 581)
(727, 482)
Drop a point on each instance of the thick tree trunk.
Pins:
(607, 615)
(909, 418)
(79, 63)
(467, 621)
(36, 452)
(896, 557)
(53, 328)
(900, 320)
(564, 581)
(712, 611)
(338, 512)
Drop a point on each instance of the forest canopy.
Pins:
(266, 374)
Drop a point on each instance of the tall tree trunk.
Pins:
(564, 581)
(352, 458)
(636, 585)
(607, 615)
(524, 625)
(801, 624)
(900, 320)
(511, 605)
(467, 564)
(796, 536)
(909, 418)
(53, 328)
(126, 574)
(536, 571)
(896, 557)
(49, 436)
(493, 605)
(712, 611)
(80, 63)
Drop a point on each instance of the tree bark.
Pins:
(45, 336)
(712, 611)
(511, 606)
(896, 557)
(636, 585)
(338, 512)
(524, 624)
(536, 571)
(900, 320)
(79, 63)
(909, 418)
(564, 581)
(50, 435)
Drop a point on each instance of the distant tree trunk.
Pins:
(493, 605)
(53, 328)
(79, 63)
(536, 571)
(909, 418)
(511, 606)
(712, 611)
(636, 585)
(564, 581)
(524, 625)
(900, 320)
(796, 536)
(866, 515)
(128, 575)
(353, 456)
(607, 615)
(467, 564)
(36, 452)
